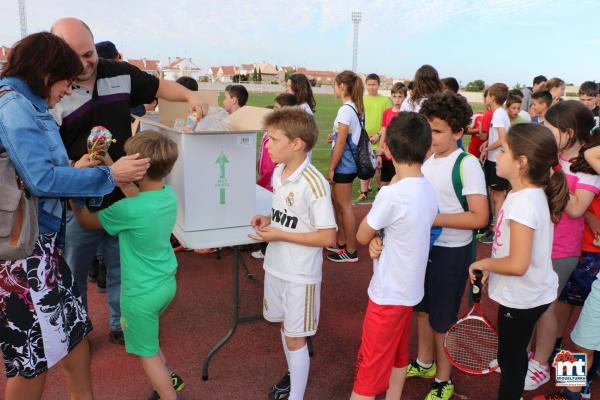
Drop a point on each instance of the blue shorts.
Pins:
(580, 283)
(445, 282)
(586, 333)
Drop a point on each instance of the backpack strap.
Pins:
(457, 180)
(360, 121)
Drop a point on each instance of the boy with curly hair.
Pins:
(460, 190)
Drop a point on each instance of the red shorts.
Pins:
(384, 344)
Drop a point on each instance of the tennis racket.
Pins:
(472, 342)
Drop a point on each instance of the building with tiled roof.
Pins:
(150, 66)
(179, 67)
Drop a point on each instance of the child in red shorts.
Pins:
(403, 213)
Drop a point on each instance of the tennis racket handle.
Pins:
(477, 286)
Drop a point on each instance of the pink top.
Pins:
(266, 166)
(568, 233)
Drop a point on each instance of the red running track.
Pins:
(253, 360)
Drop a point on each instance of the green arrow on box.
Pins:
(222, 160)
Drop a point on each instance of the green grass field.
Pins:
(327, 107)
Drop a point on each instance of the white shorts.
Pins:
(295, 304)
(586, 332)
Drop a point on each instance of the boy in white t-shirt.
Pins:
(403, 213)
(460, 191)
(497, 95)
(301, 223)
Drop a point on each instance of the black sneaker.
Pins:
(343, 256)
(487, 238)
(282, 389)
(93, 272)
(336, 248)
(178, 385)
(101, 278)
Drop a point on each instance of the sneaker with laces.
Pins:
(281, 390)
(440, 391)
(487, 238)
(176, 381)
(537, 375)
(336, 248)
(363, 196)
(414, 370)
(343, 256)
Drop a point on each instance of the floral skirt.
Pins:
(41, 315)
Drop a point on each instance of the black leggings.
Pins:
(515, 327)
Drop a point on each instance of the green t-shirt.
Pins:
(144, 224)
(374, 108)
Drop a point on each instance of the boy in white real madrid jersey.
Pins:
(301, 223)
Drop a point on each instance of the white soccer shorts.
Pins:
(295, 304)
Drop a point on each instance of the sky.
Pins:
(507, 41)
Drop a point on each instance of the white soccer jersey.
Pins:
(302, 203)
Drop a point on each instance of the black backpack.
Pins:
(363, 153)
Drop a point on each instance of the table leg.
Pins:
(235, 314)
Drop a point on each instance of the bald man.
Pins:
(102, 95)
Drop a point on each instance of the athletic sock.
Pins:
(424, 365)
(449, 381)
(299, 366)
(285, 349)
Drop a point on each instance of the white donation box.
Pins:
(215, 174)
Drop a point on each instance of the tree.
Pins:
(518, 86)
(259, 75)
(475, 86)
(254, 75)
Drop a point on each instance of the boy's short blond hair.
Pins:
(294, 123)
(159, 148)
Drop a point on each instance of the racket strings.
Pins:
(472, 344)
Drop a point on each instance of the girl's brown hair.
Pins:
(354, 88)
(426, 82)
(302, 90)
(537, 144)
(42, 56)
(573, 115)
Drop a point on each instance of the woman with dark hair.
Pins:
(42, 319)
(299, 86)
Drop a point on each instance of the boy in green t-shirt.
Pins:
(148, 265)
(375, 105)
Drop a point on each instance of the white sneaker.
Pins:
(258, 254)
(537, 375)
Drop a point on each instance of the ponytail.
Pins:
(557, 192)
(354, 86)
(537, 144)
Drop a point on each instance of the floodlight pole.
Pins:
(356, 17)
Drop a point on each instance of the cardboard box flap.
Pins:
(249, 118)
(171, 110)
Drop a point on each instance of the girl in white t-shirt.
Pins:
(426, 82)
(299, 86)
(521, 278)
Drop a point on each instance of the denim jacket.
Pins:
(32, 140)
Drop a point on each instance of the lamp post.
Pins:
(356, 17)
